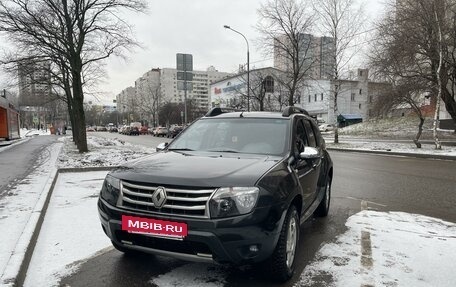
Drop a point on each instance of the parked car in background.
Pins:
(133, 131)
(161, 131)
(125, 130)
(151, 130)
(113, 129)
(136, 125)
(90, 129)
(143, 130)
(101, 129)
(326, 128)
(174, 131)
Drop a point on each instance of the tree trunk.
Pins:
(336, 110)
(420, 131)
(439, 82)
(438, 145)
(79, 116)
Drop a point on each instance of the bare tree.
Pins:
(262, 84)
(439, 12)
(284, 26)
(75, 35)
(343, 22)
(421, 35)
(403, 93)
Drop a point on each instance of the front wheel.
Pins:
(282, 261)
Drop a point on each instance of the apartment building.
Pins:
(316, 53)
(198, 88)
(34, 83)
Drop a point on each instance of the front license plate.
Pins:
(154, 226)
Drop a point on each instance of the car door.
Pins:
(312, 141)
(306, 170)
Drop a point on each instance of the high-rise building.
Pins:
(315, 53)
(124, 100)
(34, 83)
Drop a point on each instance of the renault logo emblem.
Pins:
(159, 197)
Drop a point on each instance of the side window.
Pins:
(301, 139)
(310, 134)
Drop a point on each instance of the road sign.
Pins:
(184, 62)
(184, 76)
(181, 86)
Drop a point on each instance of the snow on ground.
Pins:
(406, 250)
(17, 206)
(71, 231)
(102, 152)
(402, 127)
(33, 132)
(394, 147)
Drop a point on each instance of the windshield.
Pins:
(236, 135)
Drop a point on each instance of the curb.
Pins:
(379, 152)
(37, 219)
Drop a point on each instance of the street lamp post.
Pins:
(248, 64)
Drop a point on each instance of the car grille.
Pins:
(186, 202)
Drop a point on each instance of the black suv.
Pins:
(231, 188)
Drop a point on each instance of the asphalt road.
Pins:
(20, 160)
(385, 183)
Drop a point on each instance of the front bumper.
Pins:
(228, 240)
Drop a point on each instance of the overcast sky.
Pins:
(193, 27)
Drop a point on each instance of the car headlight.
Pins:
(110, 190)
(231, 201)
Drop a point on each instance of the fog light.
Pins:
(253, 248)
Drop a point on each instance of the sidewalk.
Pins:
(393, 147)
(23, 208)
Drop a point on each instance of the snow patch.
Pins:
(102, 152)
(407, 250)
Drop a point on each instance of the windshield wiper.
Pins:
(224, 150)
(182, 149)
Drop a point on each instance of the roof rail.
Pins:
(218, 111)
(288, 111)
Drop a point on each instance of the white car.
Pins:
(326, 128)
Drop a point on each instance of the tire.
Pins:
(281, 264)
(323, 208)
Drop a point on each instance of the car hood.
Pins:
(199, 169)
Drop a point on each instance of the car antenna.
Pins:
(241, 115)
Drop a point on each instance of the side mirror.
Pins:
(309, 153)
(161, 146)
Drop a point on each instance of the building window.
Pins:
(359, 106)
(353, 96)
(360, 91)
(322, 97)
(269, 84)
(299, 98)
(370, 99)
(315, 97)
(309, 98)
